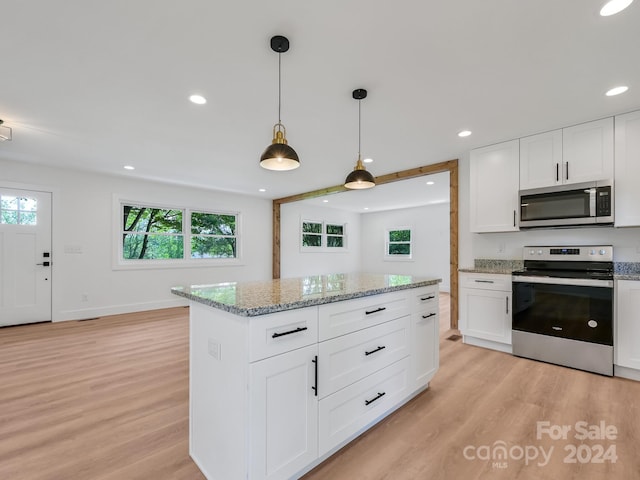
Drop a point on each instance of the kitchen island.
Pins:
(283, 373)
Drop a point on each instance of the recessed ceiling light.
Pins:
(430, 182)
(129, 167)
(368, 160)
(464, 133)
(366, 208)
(198, 99)
(262, 189)
(617, 91)
(325, 201)
(614, 6)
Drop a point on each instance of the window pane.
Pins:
(9, 217)
(151, 220)
(140, 246)
(28, 204)
(213, 224)
(308, 227)
(8, 202)
(28, 218)
(399, 249)
(400, 235)
(213, 247)
(335, 230)
(311, 240)
(335, 241)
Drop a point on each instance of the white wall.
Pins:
(82, 217)
(295, 263)
(430, 231)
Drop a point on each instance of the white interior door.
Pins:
(25, 256)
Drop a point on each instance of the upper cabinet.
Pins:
(577, 154)
(627, 170)
(541, 160)
(494, 187)
(587, 151)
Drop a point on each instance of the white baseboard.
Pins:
(625, 372)
(93, 312)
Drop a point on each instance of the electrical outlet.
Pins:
(214, 348)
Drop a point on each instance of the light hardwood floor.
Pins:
(108, 399)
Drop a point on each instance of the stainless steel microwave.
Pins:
(589, 203)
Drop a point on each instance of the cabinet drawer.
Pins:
(281, 332)
(486, 281)
(425, 298)
(347, 411)
(347, 359)
(340, 318)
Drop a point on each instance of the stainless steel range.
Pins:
(563, 306)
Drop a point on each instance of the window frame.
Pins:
(120, 263)
(324, 246)
(387, 243)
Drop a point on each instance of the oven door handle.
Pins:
(578, 282)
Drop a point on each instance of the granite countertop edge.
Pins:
(281, 307)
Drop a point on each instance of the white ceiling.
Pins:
(97, 85)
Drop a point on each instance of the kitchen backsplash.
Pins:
(497, 264)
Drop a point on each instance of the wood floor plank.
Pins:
(107, 399)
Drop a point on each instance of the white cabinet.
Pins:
(284, 414)
(581, 153)
(485, 310)
(494, 180)
(627, 331)
(627, 170)
(425, 336)
(587, 151)
(541, 162)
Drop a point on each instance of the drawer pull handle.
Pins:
(299, 329)
(376, 310)
(374, 351)
(315, 386)
(380, 395)
(429, 316)
(428, 298)
(483, 281)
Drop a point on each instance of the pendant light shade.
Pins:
(359, 179)
(279, 155)
(5, 133)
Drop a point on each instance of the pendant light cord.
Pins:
(359, 127)
(279, 84)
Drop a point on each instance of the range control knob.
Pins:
(532, 252)
(540, 252)
(603, 251)
(592, 252)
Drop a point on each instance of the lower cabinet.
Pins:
(284, 413)
(272, 396)
(485, 310)
(627, 331)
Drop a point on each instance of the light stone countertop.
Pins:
(249, 299)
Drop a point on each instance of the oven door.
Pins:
(577, 309)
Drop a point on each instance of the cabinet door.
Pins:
(494, 181)
(486, 314)
(284, 414)
(541, 160)
(425, 352)
(627, 343)
(587, 151)
(627, 170)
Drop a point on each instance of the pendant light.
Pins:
(5, 133)
(279, 155)
(359, 179)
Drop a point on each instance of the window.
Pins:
(335, 236)
(157, 233)
(321, 236)
(311, 234)
(18, 210)
(398, 243)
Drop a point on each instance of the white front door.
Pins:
(25, 256)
